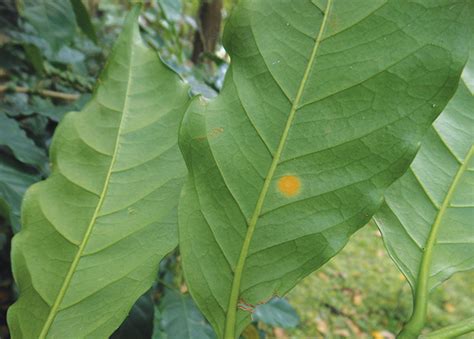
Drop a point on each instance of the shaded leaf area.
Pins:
(84, 20)
(23, 148)
(278, 313)
(296, 152)
(6, 297)
(54, 20)
(139, 322)
(14, 181)
(179, 317)
(94, 232)
(172, 9)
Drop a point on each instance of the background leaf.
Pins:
(23, 148)
(296, 152)
(171, 8)
(139, 323)
(83, 19)
(278, 313)
(56, 113)
(414, 202)
(54, 20)
(14, 181)
(180, 318)
(94, 232)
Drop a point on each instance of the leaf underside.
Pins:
(322, 109)
(435, 198)
(94, 232)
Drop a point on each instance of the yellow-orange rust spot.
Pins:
(289, 185)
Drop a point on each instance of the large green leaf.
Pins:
(95, 230)
(322, 109)
(427, 218)
(54, 20)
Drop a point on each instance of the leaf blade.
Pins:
(390, 218)
(335, 164)
(426, 218)
(106, 216)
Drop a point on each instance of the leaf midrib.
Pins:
(422, 285)
(72, 269)
(235, 289)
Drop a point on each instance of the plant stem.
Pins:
(453, 331)
(413, 327)
(42, 92)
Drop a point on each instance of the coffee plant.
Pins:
(331, 112)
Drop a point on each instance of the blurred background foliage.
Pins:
(52, 51)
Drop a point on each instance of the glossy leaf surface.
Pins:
(322, 109)
(427, 218)
(94, 232)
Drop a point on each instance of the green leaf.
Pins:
(278, 313)
(171, 8)
(321, 110)
(426, 220)
(54, 20)
(180, 318)
(139, 323)
(57, 112)
(14, 181)
(158, 332)
(94, 232)
(84, 20)
(34, 55)
(23, 148)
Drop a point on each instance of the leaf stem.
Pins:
(42, 92)
(463, 327)
(231, 316)
(414, 326)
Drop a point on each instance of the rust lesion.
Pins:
(289, 185)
